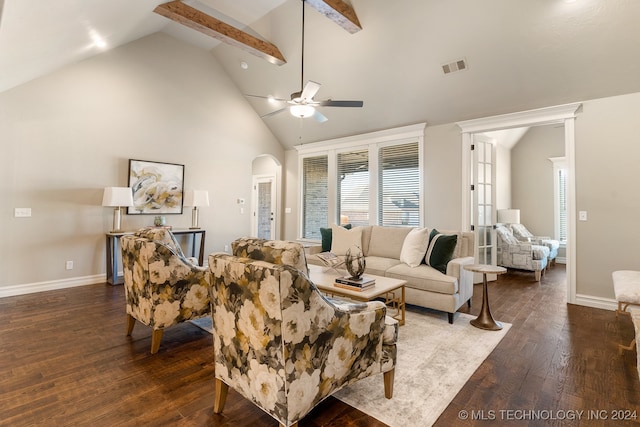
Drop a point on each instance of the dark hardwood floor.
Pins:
(65, 361)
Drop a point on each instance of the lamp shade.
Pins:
(509, 216)
(196, 198)
(117, 196)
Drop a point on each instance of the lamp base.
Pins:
(117, 215)
(194, 218)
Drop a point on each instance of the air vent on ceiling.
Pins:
(452, 67)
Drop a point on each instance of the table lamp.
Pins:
(117, 197)
(509, 216)
(196, 198)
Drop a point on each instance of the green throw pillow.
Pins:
(327, 237)
(440, 250)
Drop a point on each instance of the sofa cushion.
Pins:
(379, 265)
(343, 240)
(327, 235)
(424, 278)
(414, 247)
(460, 251)
(440, 250)
(366, 239)
(387, 242)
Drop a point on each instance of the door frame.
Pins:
(560, 114)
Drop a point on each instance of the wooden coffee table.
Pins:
(385, 287)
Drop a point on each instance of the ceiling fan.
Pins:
(302, 104)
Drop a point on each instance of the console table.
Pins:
(113, 250)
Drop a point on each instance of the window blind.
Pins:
(314, 196)
(562, 203)
(399, 184)
(353, 187)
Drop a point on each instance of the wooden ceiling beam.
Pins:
(339, 12)
(212, 27)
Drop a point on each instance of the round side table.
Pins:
(485, 319)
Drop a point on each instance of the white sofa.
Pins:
(426, 286)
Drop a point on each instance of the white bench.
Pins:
(626, 285)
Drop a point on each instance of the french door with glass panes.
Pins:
(484, 194)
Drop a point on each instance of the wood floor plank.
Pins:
(65, 360)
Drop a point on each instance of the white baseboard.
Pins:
(561, 260)
(596, 302)
(29, 288)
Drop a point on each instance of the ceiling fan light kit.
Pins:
(301, 110)
(302, 105)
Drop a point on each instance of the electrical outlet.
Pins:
(582, 215)
(226, 248)
(69, 265)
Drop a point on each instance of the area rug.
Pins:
(205, 323)
(435, 360)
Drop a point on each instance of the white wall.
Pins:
(443, 177)
(503, 177)
(607, 176)
(68, 135)
(532, 177)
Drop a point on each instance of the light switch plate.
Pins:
(582, 215)
(22, 212)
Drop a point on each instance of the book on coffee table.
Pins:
(354, 288)
(361, 282)
(330, 259)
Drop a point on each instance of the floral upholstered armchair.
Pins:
(284, 346)
(279, 252)
(524, 235)
(162, 288)
(164, 234)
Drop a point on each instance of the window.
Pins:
(399, 184)
(560, 198)
(562, 203)
(353, 187)
(372, 179)
(314, 196)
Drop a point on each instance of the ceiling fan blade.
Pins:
(332, 103)
(273, 113)
(310, 90)
(270, 98)
(320, 118)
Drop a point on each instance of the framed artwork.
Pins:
(157, 187)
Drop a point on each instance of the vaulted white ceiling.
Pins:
(521, 54)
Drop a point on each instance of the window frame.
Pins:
(372, 142)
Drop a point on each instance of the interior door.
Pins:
(484, 194)
(264, 223)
